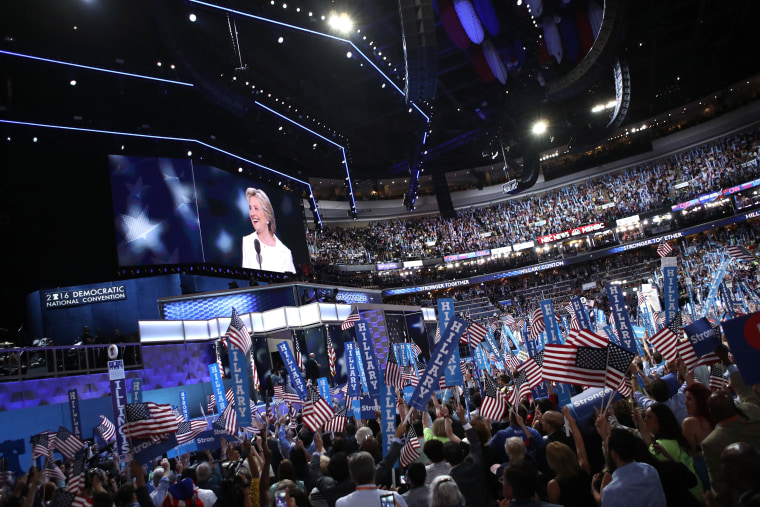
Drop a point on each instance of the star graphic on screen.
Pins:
(136, 189)
(138, 227)
(418, 324)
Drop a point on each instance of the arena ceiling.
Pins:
(258, 66)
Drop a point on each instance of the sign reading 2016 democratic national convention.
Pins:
(85, 296)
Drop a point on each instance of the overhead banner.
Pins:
(438, 361)
(295, 373)
(76, 419)
(369, 359)
(240, 390)
(118, 382)
(622, 319)
(354, 387)
(670, 287)
(576, 231)
(453, 373)
(218, 386)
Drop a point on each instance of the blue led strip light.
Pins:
(342, 148)
(168, 138)
(99, 69)
(314, 32)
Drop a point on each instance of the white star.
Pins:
(138, 227)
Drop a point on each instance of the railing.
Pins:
(45, 362)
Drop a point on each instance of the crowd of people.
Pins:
(711, 166)
(679, 440)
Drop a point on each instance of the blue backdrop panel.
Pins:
(220, 305)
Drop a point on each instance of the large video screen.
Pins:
(175, 211)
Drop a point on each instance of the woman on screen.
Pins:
(262, 249)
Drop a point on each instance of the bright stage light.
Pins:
(539, 127)
(341, 22)
(192, 17)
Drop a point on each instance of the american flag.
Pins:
(227, 422)
(532, 369)
(411, 449)
(575, 365)
(521, 388)
(106, 428)
(512, 361)
(188, 430)
(509, 320)
(642, 298)
(574, 323)
(416, 350)
(690, 359)
(149, 420)
(66, 443)
(739, 253)
(666, 339)
(493, 403)
(63, 498)
(219, 358)
(409, 374)
(625, 389)
(317, 411)
(229, 395)
(237, 334)
(286, 393)
(717, 381)
(536, 323)
(297, 350)
(476, 333)
(51, 472)
(331, 355)
(349, 322)
(664, 249)
(392, 371)
(618, 361)
(338, 423)
(75, 483)
(41, 444)
(586, 338)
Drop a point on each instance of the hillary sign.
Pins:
(622, 319)
(372, 370)
(438, 361)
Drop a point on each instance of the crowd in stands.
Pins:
(711, 166)
(675, 442)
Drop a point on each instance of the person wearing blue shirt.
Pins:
(633, 483)
(531, 437)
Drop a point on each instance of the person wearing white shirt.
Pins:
(362, 469)
(262, 249)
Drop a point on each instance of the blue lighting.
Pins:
(314, 32)
(110, 71)
(424, 138)
(343, 149)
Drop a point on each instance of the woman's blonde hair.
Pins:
(563, 460)
(266, 206)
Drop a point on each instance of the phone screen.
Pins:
(281, 499)
(387, 500)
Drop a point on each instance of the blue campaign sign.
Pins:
(703, 337)
(136, 394)
(324, 389)
(368, 407)
(356, 406)
(408, 392)
(211, 439)
(438, 361)
(369, 358)
(540, 391)
(453, 373)
(118, 401)
(218, 386)
(622, 319)
(183, 405)
(670, 287)
(580, 313)
(241, 394)
(144, 451)
(552, 331)
(611, 334)
(360, 368)
(354, 385)
(388, 416)
(582, 405)
(293, 370)
(76, 419)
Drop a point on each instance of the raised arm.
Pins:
(580, 446)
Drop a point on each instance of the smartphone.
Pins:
(387, 500)
(280, 498)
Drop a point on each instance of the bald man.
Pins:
(741, 467)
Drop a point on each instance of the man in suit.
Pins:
(734, 424)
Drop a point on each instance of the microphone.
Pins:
(257, 246)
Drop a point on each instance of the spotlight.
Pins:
(349, 54)
(73, 82)
(539, 127)
(341, 22)
(34, 139)
(281, 40)
(158, 63)
(189, 153)
(192, 17)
